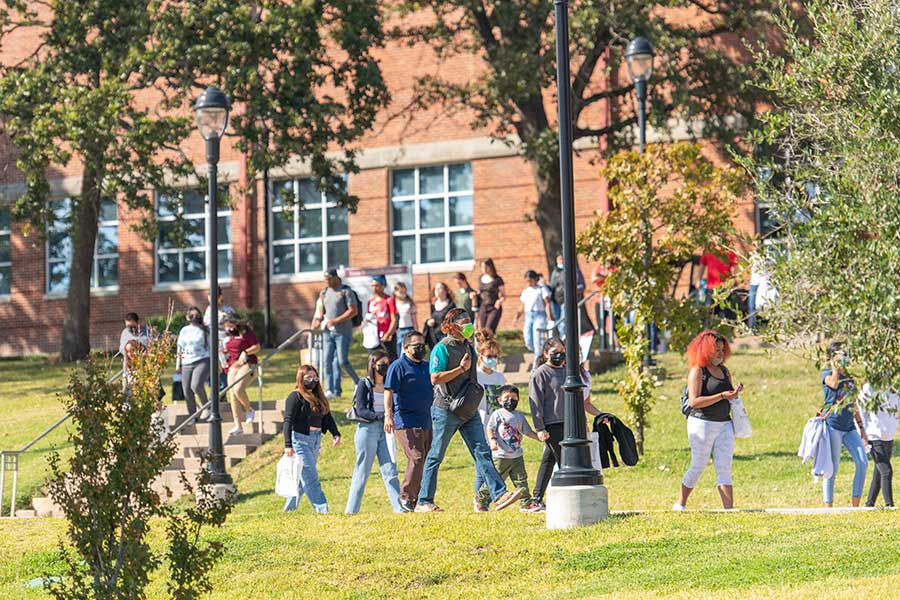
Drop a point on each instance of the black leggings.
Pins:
(883, 474)
(552, 455)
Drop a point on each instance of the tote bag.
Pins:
(287, 479)
(741, 421)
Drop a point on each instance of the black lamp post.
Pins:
(575, 465)
(211, 111)
(639, 59)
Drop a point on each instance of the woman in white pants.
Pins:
(709, 424)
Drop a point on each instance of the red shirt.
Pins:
(717, 271)
(235, 345)
(382, 309)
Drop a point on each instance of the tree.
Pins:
(300, 73)
(828, 168)
(695, 76)
(666, 205)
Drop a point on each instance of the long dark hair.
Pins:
(489, 263)
(373, 360)
(235, 320)
(554, 341)
(319, 403)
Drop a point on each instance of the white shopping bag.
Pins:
(370, 332)
(741, 421)
(287, 480)
(392, 448)
(595, 450)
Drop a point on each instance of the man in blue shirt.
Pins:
(407, 412)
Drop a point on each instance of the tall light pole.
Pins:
(211, 112)
(576, 496)
(639, 60)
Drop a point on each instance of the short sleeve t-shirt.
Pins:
(509, 428)
(533, 298)
(410, 383)
(840, 419)
(336, 302)
(235, 345)
(717, 271)
(382, 309)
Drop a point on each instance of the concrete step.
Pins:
(268, 426)
(46, 507)
(24, 513)
(178, 411)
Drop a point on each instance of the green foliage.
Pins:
(828, 165)
(667, 204)
(105, 489)
(637, 384)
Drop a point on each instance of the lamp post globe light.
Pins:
(211, 112)
(576, 495)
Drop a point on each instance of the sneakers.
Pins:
(329, 395)
(532, 506)
(427, 507)
(248, 418)
(481, 504)
(677, 506)
(508, 498)
(204, 415)
(407, 506)
(236, 430)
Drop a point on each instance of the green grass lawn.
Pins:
(459, 554)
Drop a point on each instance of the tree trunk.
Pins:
(547, 213)
(76, 334)
(639, 437)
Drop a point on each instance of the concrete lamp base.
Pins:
(576, 505)
(219, 491)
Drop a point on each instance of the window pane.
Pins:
(311, 223)
(404, 249)
(61, 214)
(194, 233)
(166, 234)
(4, 249)
(462, 246)
(167, 265)
(338, 254)
(283, 259)
(404, 215)
(59, 245)
(461, 211)
(431, 213)
(59, 277)
(311, 257)
(308, 192)
(107, 272)
(194, 201)
(4, 219)
(166, 205)
(223, 233)
(337, 220)
(282, 225)
(403, 183)
(108, 240)
(431, 180)
(460, 177)
(282, 193)
(224, 263)
(194, 264)
(5, 280)
(433, 248)
(108, 210)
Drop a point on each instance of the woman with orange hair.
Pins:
(709, 426)
(306, 415)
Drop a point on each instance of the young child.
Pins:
(492, 381)
(535, 299)
(506, 427)
(881, 428)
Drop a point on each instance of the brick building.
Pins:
(432, 191)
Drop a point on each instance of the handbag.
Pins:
(287, 478)
(352, 415)
(740, 419)
(177, 390)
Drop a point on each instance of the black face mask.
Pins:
(557, 358)
(310, 384)
(232, 332)
(509, 404)
(381, 369)
(418, 351)
(195, 319)
(134, 329)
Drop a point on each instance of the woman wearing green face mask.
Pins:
(453, 366)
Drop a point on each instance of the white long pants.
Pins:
(709, 437)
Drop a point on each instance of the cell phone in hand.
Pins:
(739, 387)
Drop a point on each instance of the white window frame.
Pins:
(324, 238)
(180, 251)
(8, 233)
(95, 271)
(446, 229)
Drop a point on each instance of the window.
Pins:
(184, 260)
(309, 230)
(431, 210)
(5, 253)
(105, 271)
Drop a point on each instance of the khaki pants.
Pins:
(240, 402)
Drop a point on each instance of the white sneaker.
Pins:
(678, 506)
(248, 418)
(204, 415)
(329, 395)
(236, 431)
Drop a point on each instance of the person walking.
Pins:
(558, 293)
(223, 310)
(492, 293)
(407, 413)
(133, 330)
(384, 309)
(842, 418)
(492, 381)
(535, 299)
(464, 296)
(192, 359)
(339, 306)
(453, 367)
(241, 347)
(407, 320)
(881, 429)
(371, 441)
(441, 303)
(306, 415)
(709, 426)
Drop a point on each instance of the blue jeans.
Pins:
(337, 351)
(751, 306)
(535, 322)
(371, 442)
(398, 338)
(854, 445)
(307, 448)
(472, 431)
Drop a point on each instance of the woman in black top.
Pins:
(306, 415)
(492, 293)
(709, 426)
(440, 306)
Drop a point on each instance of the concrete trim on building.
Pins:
(200, 284)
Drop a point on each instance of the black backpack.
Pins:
(685, 399)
